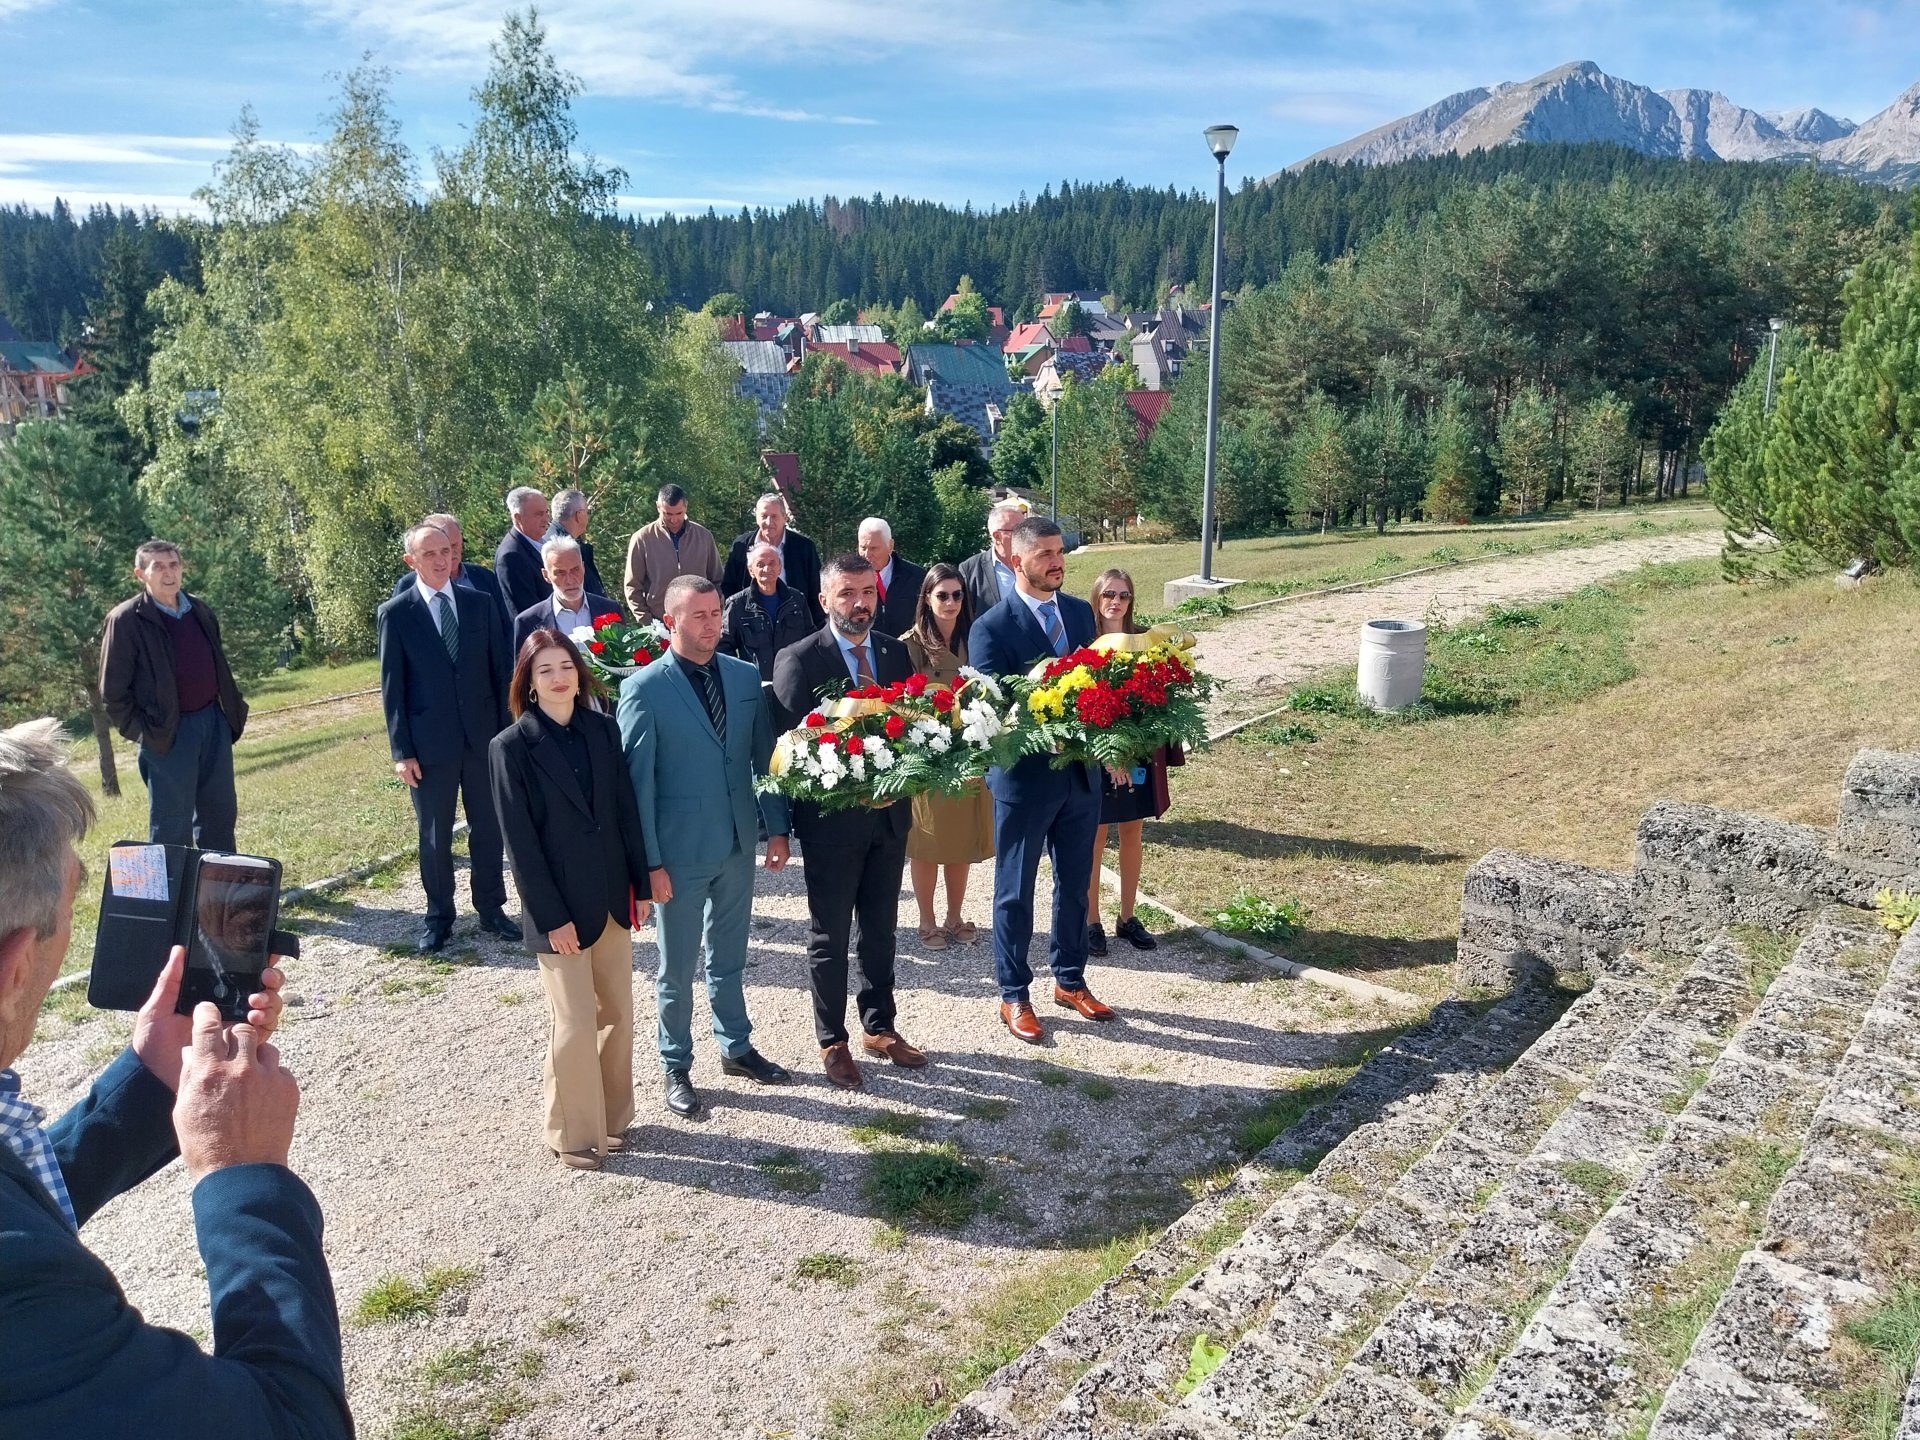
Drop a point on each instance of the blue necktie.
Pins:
(449, 626)
(1050, 618)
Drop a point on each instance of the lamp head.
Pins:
(1220, 140)
(1776, 323)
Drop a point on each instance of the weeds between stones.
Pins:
(400, 1297)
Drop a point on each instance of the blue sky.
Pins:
(731, 102)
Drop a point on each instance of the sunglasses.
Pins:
(1116, 594)
(947, 597)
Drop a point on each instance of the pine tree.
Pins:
(1599, 450)
(70, 520)
(117, 343)
(1320, 478)
(1453, 460)
(1526, 452)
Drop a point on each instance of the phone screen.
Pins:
(235, 900)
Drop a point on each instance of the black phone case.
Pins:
(134, 938)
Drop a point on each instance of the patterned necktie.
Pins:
(707, 681)
(863, 672)
(1050, 618)
(449, 626)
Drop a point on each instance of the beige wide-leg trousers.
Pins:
(590, 1046)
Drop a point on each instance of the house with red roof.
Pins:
(867, 357)
(1148, 406)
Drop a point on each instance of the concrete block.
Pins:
(1188, 587)
(1880, 814)
(1521, 917)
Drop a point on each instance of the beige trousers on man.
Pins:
(590, 1046)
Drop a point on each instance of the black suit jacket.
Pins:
(575, 857)
(540, 614)
(808, 671)
(79, 1358)
(437, 710)
(903, 595)
(801, 558)
(983, 588)
(517, 564)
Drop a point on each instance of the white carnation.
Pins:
(857, 766)
(581, 634)
(881, 756)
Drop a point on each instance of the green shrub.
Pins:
(1251, 914)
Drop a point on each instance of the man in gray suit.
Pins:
(696, 733)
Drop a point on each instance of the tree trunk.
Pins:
(103, 737)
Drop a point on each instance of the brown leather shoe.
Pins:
(578, 1159)
(890, 1045)
(1020, 1019)
(1083, 1001)
(840, 1067)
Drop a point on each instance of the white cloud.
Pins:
(19, 151)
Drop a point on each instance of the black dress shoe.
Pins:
(682, 1099)
(495, 922)
(757, 1068)
(433, 936)
(1096, 939)
(1135, 934)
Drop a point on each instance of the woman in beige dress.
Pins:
(950, 833)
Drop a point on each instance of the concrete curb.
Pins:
(1333, 980)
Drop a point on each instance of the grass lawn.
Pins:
(1282, 564)
(316, 682)
(1567, 722)
(320, 797)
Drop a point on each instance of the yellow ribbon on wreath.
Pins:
(1171, 636)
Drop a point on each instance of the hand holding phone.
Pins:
(235, 906)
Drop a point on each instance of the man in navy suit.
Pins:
(465, 572)
(1035, 806)
(444, 669)
(517, 563)
(570, 602)
(78, 1359)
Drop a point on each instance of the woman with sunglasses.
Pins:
(950, 833)
(1124, 807)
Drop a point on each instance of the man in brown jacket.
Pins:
(665, 549)
(168, 688)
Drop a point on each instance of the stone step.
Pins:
(1455, 1040)
(1774, 1362)
(1504, 1201)
(1379, 1203)
(1597, 1355)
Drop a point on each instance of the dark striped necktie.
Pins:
(1050, 618)
(706, 679)
(449, 626)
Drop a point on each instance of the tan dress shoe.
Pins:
(1083, 1001)
(1022, 1022)
(615, 1144)
(840, 1068)
(579, 1159)
(892, 1047)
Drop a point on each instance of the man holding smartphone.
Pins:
(78, 1358)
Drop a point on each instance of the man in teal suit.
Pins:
(696, 733)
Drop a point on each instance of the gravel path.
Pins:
(1258, 654)
(660, 1295)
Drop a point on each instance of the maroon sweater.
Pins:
(193, 669)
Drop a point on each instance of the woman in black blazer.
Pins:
(572, 834)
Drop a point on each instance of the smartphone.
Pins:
(236, 903)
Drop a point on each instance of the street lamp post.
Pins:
(1054, 410)
(1220, 140)
(1773, 346)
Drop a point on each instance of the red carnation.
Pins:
(596, 646)
(815, 720)
(893, 693)
(855, 745)
(895, 727)
(612, 617)
(643, 657)
(916, 685)
(943, 700)
(1100, 706)
(825, 739)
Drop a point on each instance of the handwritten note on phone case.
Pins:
(138, 872)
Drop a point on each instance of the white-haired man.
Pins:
(569, 603)
(78, 1357)
(517, 563)
(989, 576)
(570, 509)
(898, 578)
(799, 556)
